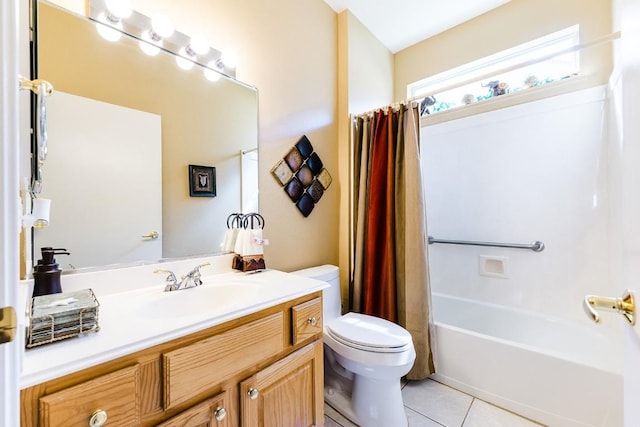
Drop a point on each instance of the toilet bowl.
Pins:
(365, 357)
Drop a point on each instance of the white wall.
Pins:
(536, 171)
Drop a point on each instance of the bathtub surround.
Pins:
(390, 277)
(533, 171)
(530, 172)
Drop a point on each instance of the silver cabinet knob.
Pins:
(253, 393)
(220, 413)
(98, 418)
(153, 235)
(313, 321)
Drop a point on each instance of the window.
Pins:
(530, 64)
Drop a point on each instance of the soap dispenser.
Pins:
(46, 273)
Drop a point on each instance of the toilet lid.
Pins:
(369, 333)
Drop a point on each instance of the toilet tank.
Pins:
(331, 300)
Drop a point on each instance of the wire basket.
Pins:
(60, 316)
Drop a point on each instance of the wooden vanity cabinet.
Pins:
(263, 369)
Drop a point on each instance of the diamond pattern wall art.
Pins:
(302, 176)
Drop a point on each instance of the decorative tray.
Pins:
(59, 316)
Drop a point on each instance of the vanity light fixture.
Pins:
(108, 28)
(228, 59)
(119, 8)
(188, 55)
(148, 44)
(151, 39)
(198, 45)
(158, 34)
(184, 60)
(210, 73)
(109, 22)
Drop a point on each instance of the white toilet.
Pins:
(365, 357)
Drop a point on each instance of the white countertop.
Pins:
(136, 319)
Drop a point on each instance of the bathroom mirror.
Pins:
(198, 122)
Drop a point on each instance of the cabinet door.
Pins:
(210, 413)
(288, 393)
(113, 397)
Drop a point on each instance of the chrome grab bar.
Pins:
(536, 246)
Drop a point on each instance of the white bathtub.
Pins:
(554, 371)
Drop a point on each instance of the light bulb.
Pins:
(119, 8)
(229, 59)
(199, 44)
(148, 45)
(182, 61)
(162, 25)
(108, 30)
(210, 74)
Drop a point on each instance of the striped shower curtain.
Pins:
(389, 276)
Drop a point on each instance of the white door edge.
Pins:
(9, 203)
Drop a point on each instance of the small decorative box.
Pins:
(59, 316)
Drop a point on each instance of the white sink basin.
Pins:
(208, 299)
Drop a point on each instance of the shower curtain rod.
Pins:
(395, 105)
(536, 246)
(601, 40)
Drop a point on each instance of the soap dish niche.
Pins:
(493, 266)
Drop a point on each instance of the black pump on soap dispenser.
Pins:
(46, 273)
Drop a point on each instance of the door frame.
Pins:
(629, 62)
(9, 204)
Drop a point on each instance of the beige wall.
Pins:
(288, 50)
(365, 76)
(370, 67)
(516, 22)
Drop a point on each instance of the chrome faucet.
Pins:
(194, 276)
(190, 280)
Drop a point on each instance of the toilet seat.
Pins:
(369, 333)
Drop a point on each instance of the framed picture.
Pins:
(202, 181)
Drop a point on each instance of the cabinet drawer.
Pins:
(191, 370)
(307, 320)
(211, 413)
(116, 393)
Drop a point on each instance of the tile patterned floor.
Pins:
(431, 404)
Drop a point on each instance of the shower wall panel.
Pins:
(536, 171)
